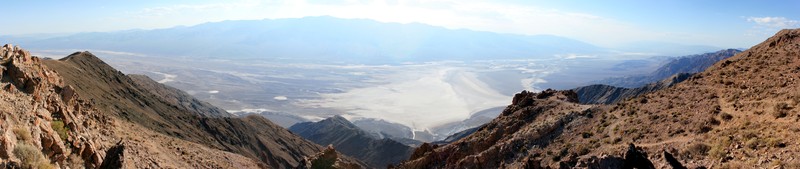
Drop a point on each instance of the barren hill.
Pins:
(79, 112)
(739, 113)
(47, 123)
(352, 141)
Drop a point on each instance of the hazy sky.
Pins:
(604, 23)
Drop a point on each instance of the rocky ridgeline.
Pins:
(328, 158)
(42, 121)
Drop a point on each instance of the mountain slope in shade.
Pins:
(684, 64)
(741, 112)
(351, 140)
(164, 110)
(605, 94)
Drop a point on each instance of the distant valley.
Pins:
(387, 86)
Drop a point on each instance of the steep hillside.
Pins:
(172, 113)
(532, 118)
(684, 64)
(739, 113)
(177, 97)
(351, 140)
(605, 94)
(45, 123)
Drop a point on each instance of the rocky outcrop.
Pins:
(605, 94)
(115, 157)
(530, 121)
(684, 64)
(352, 141)
(328, 158)
(39, 110)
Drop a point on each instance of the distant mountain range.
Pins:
(321, 39)
(685, 64)
(329, 39)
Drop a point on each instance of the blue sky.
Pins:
(605, 23)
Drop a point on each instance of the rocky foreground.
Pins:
(742, 112)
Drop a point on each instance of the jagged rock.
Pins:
(637, 158)
(328, 158)
(674, 163)
(115, 157)
(7, 142)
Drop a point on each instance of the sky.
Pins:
(608, 23)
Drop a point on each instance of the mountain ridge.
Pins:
(740, 112)
(351, 40)
(143, 102)
(684, 64)
(353, 141)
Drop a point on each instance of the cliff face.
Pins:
(739, 113)
(352, 141)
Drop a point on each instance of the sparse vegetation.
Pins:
(697, 150)
(726, 116)
(22, 134)
(31, 157)
(752, 143)
(59, 127)
(718, 150)
(74, 161)
(780, 110)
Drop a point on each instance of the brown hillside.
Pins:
(158, 109)
(45, 123)
(740, 113)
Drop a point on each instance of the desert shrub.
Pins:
(323, 163)
(718, 150)
(59, 127)
(74, 161)
(726, 116)
(31, 157)
(586, 134)
(697, 150)
(22, 133)
(582, 149)
(780, 110)
(775, 142)
(752, 143)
